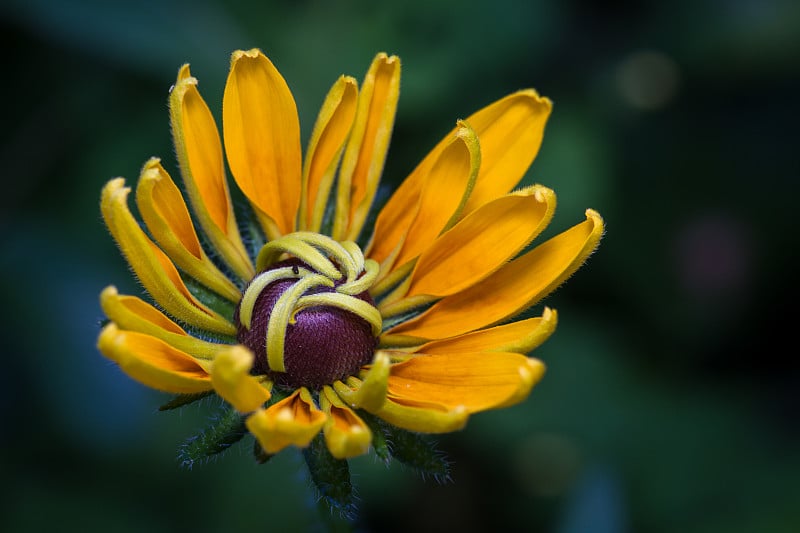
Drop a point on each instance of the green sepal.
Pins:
(326, 226)
(331, 478)
(419, 452)
(251, 231)
(259, 454)
(379, 443)
(392, 321)
(184, 399)
(209, 298)
(381, 197)
(227, 429)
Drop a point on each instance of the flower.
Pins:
(300, 314)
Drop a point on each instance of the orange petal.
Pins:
(294, 420)
(482, 242)
(520, 337)
(473, 381)
(345, 432)
(516, 286)
(531, 376)
(365, 154)
(199, 153)
(325, 148)
(152, 266)
(396, 216)
(230, 375)
(132, 313)
(163, 210)
(510, 132)
(444, 193)
(153, 362)
(262, 139)
(504, 160)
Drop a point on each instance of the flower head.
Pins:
(301, 316)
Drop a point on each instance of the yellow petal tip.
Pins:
(543, 194)
(184, 72)
(534, 371)
(153, 162)
(251, 54)
(536, 97)
(386, 58)
(109, 292)
(594, 215)
(114, 185)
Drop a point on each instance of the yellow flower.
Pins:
(288, 319)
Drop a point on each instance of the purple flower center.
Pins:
(321, 343)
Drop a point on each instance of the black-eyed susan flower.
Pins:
(323, 331)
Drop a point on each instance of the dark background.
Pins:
(671, 397)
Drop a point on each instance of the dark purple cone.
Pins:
(323, 345)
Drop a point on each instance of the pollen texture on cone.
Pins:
(322, 343)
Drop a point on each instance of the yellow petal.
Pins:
(392, 281)
(294, 420)
(520, 337)
(531, 375)
(345, 432)
(510, 132)
(403, 343)
(394, 310)
(516, 286)
(230, 375)
(153, 362)
(132, 313)
(325, 148)
(152, 266)
(199, 153)
(444, 193)
(365, 154)
(396, 216)
(427, 419)
(262, 139)
(473, 381)
(163, 210)
(504, 160)
(369, 393)
(482, 242)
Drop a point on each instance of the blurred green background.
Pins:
(671, 398)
